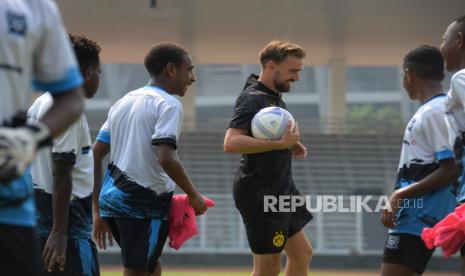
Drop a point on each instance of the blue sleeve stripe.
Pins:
(444, 154)
(103, 136)
(71, 80)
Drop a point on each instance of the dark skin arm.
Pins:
(101, 232)
(68, 103)
(55, 249)
(441, 177)
(173, 167)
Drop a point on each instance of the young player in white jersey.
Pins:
(34, 48)
(423, 192)
(142, 131)
(63, 178)
(453, 50)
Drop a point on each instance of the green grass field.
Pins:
(210, 272)
(200, 273)
(230, 272)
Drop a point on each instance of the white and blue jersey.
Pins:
(425, 144)
(72, 146)
(455, 118)
(34, 49)
(136, 185)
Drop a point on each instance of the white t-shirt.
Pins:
(455, 116)
(34, 49)
(425, 144)
(74, 146)
(141, 119)
(425, 138)
(455, 119)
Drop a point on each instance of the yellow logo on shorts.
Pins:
(278, 239)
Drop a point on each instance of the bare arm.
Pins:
(173, 167)
(100, 231)
(66, 108)
(55, 248)
(441, 177)
(100, 151)
(237, 141)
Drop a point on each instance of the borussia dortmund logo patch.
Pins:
(278, 239)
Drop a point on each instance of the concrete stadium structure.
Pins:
(350, 43)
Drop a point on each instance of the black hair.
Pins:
(425, 61)
(161, 54)
(86, 50)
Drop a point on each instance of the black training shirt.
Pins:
(266, 173)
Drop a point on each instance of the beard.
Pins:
(282, 86)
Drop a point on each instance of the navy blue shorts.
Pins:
(141, 241)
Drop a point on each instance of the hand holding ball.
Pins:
(270, 123)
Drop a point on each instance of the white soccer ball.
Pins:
(271, 122)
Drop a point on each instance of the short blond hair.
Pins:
(278, 51)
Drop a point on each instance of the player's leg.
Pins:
(114, 225)
(157, 271)
(141, 242)
(298, 248)
(134, 272)
(404, 255)
(266, 264)
(266, 234)
(388, 269)
(115, 232)
(137, 272)
(299, 254)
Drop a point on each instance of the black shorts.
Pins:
(20, 253)
(268, 232)
(81, 259)
(407, 250)
(79, 216)
(141, 240)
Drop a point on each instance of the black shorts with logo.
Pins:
(407, 250)
(268, 232)
(141, 240)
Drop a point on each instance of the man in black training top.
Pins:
(265, 167)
